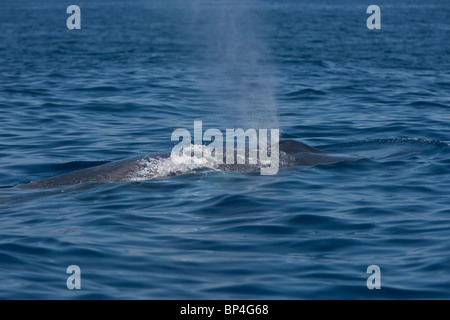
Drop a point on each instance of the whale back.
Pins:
(150, 167)
(292, 147)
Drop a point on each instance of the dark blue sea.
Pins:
(137, 70)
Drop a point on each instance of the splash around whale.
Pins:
(147, 167)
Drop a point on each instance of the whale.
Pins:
(147, 167)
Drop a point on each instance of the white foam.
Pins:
(199, 157)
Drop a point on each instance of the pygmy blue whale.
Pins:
(146, 167)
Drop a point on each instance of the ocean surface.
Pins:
(138, 70)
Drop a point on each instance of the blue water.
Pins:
(137, 70)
